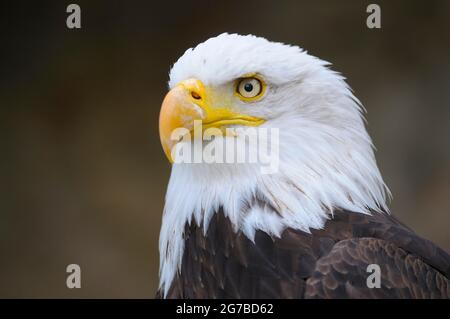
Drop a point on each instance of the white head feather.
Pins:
(326, 156)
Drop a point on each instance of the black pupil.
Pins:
(248, 87)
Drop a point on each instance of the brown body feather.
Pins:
(327, 263)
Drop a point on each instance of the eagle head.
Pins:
(325, 158)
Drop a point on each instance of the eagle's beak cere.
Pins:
(189, 101)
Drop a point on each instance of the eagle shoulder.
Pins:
(327, 263)
(343, 273)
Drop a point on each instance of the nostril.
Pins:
(195, 95)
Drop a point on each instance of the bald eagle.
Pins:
(314, 226)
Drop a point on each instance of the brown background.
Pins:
(82, 172)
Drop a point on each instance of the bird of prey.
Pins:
(318, 226)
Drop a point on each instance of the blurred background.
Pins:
(83, 176)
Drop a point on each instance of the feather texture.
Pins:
(327, 263)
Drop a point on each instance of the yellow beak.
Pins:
(189, 101)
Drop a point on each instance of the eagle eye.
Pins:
(250, 88)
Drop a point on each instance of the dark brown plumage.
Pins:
(328, 263)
